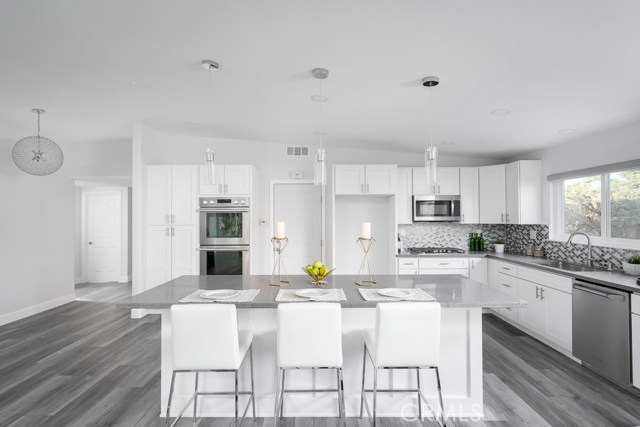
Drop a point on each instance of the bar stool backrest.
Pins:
(309, 335)
(205, 336)
(407, 334)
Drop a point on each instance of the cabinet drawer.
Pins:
(510, 312)
(405, 271)
(635, 306)
(444, 263)
(462, 271)
(561, 283)
(508, 284)
(508, 268)
(407, 263)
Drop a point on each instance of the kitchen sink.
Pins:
(569, 266)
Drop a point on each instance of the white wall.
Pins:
(37, 228)
(271, 163)
(616, 145)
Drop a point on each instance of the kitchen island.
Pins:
(461, 345)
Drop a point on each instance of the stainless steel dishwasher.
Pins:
(601, 332)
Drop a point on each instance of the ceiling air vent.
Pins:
(297, 151)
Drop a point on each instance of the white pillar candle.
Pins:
(365, 231)
(280, 230)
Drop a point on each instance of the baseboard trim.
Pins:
(35, 309)
(80, 279)
(124, 279)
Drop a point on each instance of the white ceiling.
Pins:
(555, 65)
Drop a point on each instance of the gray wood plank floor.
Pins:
(88, 364)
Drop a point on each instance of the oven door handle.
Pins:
(224, 248)
(229, 209)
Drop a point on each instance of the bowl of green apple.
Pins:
(318, 272)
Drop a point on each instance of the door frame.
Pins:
(122, 192)
(272, 195)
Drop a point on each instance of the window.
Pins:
(605, 206)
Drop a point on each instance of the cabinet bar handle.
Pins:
(166, 219)
(173, 218)
(501, 217)
(443, 263)
(541, 294)
(367, 188)
(226, 188)
(166, 231)
(537, 292)
(504, 284)
(173, 231)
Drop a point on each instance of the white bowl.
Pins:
(632, 269)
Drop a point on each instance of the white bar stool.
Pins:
(206, 339)
(309, 337)
(406, 336)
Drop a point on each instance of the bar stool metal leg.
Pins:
(343, 413)
(364, 367)
(284, 371)
(236, 398)
(375, 394)
(253, 393)
(173, 380)
(444, 423)
(419, 397)
(195, 399)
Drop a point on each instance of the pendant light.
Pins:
(210, 158)
(37, 155)
(320, 170)
(431, 152)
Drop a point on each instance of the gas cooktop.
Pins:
(436, 250)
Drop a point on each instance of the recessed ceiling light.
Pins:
(567, 131)
(500, 112)
(319, 98)
(448, 142)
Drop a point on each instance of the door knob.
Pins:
(91, 243)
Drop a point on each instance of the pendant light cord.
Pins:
(210, 106)
(38, 131)
(321, 118)
(430, 117)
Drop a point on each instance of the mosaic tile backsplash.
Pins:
(517, 238)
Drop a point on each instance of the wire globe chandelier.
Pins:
(37, 155)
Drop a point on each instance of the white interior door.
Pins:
(300, 207)
(104, 222)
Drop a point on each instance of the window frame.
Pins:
(556, 228)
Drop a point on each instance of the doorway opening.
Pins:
(300, 204)
(102, 243)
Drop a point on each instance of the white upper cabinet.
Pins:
(230, 180)
(469, 196)
(448, 182)
(365, 179)
(524, 192)
(492, 180)
(403, 196)
(171, 195)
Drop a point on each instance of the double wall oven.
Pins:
(224, 236)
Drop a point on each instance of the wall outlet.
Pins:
(533, 234)
(263, 222)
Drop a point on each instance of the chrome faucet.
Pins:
(589, 257)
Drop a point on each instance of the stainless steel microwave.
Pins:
(436, 208)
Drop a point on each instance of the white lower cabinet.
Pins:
(548, 297)
(171, 252)
(407, 265)
(478, 270)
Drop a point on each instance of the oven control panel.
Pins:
(213, 202)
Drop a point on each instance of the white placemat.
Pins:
(417, 295)
(288, 295)
(243, 296)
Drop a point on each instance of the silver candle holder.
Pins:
(365, 266)
(277, 276)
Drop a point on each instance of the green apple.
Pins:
(309, 267)
(317, 264)
(315, 271)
